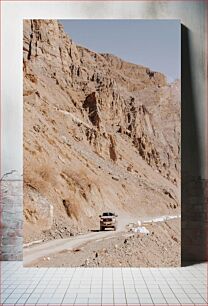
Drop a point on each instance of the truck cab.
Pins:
(108, 220)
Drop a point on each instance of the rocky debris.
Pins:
(129, 168)
(76, 250)
(40, 212)
(160, 248)
(88, 116)
(140, 229)
(137, 228)
(174, 238)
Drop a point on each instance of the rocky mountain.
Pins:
(99, 134)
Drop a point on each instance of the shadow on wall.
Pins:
(193, 211)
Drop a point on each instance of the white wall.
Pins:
(191, 14)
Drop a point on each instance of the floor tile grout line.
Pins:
(172, 289)
(39, 283)
(147, 287)
(127, 276)
(159, 286)
(192, 286)
(69, 285)
(135, 287)
(122, 269)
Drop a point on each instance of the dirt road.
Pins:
(55, 246)
(34, 253)
(31, 254)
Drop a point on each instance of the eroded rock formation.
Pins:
(89, 117)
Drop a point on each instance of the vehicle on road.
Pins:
(108, 220)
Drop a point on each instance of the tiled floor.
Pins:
(108, 286)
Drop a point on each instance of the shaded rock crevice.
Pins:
(91, 106)
(112, 148)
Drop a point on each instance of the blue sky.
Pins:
(153, 43)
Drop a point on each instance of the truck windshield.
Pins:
(108, 214)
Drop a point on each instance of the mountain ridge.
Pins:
(99, 134)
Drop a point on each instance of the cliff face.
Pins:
(99, 134)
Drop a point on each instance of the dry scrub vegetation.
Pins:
(40, 175)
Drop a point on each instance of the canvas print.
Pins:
(102, 126)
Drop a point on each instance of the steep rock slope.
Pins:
(99, 134)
